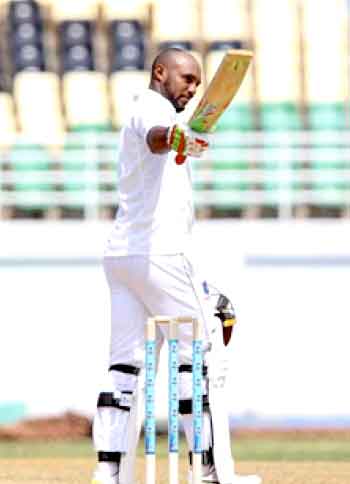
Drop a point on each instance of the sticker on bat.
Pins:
(199, 123)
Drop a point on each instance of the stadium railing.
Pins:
(243, 169)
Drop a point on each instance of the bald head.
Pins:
(171, 56)
(176, 75)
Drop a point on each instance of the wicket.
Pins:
(173, 396)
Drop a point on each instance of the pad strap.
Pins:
(188, 369)
(108, 399)
(103, 456)
(207, 457)
(185, 406)
(128, 369)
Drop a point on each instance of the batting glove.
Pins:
(184, 144)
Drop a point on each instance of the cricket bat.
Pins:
(220, 92)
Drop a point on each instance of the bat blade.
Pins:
(221, 90)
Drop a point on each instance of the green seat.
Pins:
(327, 116)
(280, 166)
(238, 116)
(91, 128)
(230, 157)
(327, 161)
(30, 165)
(280, 117)
(73, 163)
(333, 194)
(26, 159)
(80, 177)
(108, 150)
(200, 172)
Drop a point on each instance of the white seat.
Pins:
(325, 23)
(278, 75)
(85, 96)
(75, 10)
(275, 22)
(182, 25)
(325, 40)
(39, 111)
(326, 77)
(225, 20)
(277, 52)
(125, 10)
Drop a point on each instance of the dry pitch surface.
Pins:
(78, 471)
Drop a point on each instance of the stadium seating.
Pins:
(132, 9)
(125, 87)
(25, 35)
(2, 74)
(77, 65)
(79, 172)
(127, 43)
(329, 162)
(225, 21)
(23, 11)
(81, 10)
(278, 95)
(76, 45)
(230, 162)
(326, 94)
(42, 90)
(41, 124)
(30, 164)
(75, 32)
(7, 120)
(277, 64)
(85, 96)
(186, 27)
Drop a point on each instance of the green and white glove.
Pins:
(180, 140)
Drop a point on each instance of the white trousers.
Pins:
(142, 287)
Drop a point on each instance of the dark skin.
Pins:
(176, 77)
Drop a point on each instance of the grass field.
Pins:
(278, 461)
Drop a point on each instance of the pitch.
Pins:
(305, 460)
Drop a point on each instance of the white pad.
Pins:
(128, 462)
(218, 366)
(185, 393)
(117, 430)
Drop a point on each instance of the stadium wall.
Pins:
(289, 282)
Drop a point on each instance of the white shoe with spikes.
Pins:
(102, 478)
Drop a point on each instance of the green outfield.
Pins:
(245, 449)
(278, 460)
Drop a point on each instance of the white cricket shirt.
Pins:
(155, 210)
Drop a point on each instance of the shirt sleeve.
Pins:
(149, 114)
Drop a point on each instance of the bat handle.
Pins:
(179, 159)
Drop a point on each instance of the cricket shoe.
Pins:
(103, 478)
(251, 479)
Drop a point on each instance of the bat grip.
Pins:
(179, 159)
